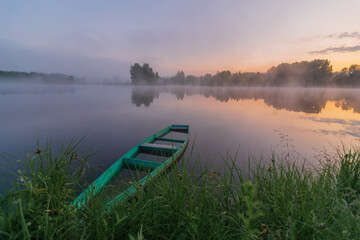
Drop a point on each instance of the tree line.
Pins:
(53, 77)
(317, 72)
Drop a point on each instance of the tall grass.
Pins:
(274, 199)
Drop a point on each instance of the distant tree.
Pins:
(48, 78)
(223, 78)
(339, 78)
(136, 73)
(345, 69)
(179, 78)
(279, 75)
(318, 72)
(206, 79)
(354, 68)
(143, 74)
(313, 73)
(236, 78)
(190, 79)
(254, 79)
(354, 74)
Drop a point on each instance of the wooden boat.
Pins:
(129, 161)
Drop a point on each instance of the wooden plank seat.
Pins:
(169, 140)
(180, 128)
(139, 164)
(158, 149)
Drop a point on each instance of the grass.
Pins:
(274, 199)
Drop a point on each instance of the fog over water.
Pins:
(114, 118)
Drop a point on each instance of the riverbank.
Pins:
(275, 199)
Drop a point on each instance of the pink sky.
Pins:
(102, 40)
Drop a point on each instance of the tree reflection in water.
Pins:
(307, 100)
(144, 95)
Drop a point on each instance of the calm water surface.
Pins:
(114, 118)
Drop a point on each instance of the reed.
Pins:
(273, 199)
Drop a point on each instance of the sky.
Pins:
(102, 39)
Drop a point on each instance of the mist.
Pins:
(19, 58)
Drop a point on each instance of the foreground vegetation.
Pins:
(275, 199)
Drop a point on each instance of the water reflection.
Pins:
(291, 99)
(349, 126)
(144, 96)
(17, 88)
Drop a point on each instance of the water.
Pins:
(114, 118)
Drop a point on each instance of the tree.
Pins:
(143, 74)
(354, 74)
(353, 68)
(223, 78)
(313, 73)
(206, 79)
(179, 78)
(319, 72)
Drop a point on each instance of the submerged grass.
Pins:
(275, 200)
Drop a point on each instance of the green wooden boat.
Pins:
(129, 161)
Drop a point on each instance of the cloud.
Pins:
(337, 49)
(338, 37)
(343, 35)
(355, 35)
